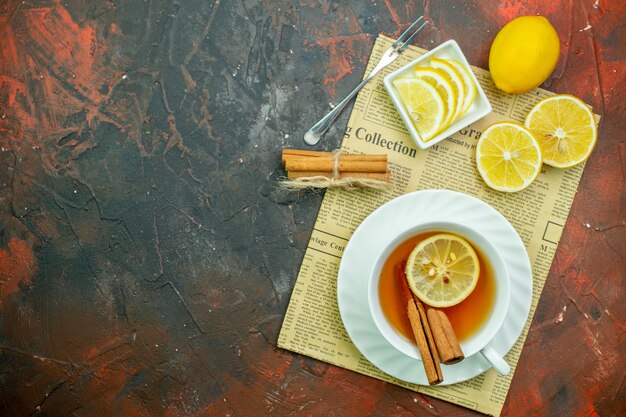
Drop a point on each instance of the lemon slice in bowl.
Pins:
(564, 128)
(468, 81)
(442, 82)
(442, 270)
(423, 104)
(457, 81)
(508, 157)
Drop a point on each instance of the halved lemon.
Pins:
(468, 81)
(565, 129)
(442, 270)
(457, 81)
(508, 157)
(441, 81)
(424, 105)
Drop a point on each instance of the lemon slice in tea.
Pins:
(508, 157)
(424, 105)
(442, 270)
(565, 129)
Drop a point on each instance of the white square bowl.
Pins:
(480, 108)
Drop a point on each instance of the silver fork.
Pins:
(317, 131)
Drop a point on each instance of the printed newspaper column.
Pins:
(315, 321)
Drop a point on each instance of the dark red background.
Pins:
(146, 257)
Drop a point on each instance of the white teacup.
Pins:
(479, 341)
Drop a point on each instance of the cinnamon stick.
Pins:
(447, 343)
(421, 331)
(299, 153)
(381, 176)
(429, 356)
(327, 164)
(296, 153)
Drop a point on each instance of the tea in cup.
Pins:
(475, 320)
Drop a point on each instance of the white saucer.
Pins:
(411, 210)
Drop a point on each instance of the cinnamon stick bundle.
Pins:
(320, 169)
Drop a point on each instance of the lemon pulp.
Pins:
(508, 157)
(564, 128)
(423, 104)
(441, 81)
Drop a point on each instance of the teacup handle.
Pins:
(495, 360)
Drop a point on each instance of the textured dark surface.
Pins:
(146, 258)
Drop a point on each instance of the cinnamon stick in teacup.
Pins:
(447, 343)
(421, 330)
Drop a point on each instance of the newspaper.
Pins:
(312, 324)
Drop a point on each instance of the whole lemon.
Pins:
(524, 54)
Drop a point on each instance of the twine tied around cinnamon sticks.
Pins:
(318, 169)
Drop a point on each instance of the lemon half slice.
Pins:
(565, 129)
(442, 82)
(457, 81)
(424, 105)
(468, 81)
(508, 157)
(442, 270)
